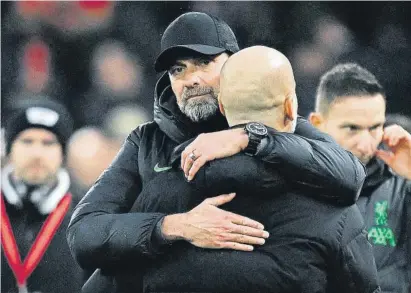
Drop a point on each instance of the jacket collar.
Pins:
(377, 173)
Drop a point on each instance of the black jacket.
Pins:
(102, 234)
(313, 246)
(385, 203)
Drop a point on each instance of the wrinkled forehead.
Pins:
(358, 110)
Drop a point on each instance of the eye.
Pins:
(175, 70)
(376, 127)
(205, 61)
(352, 128)
(26, 141)
(49, 142)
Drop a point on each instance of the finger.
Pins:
(393, 134)
(198, 163)
(391, 128)
(244, 239)
(184, 155)
(250, 231)
(187, 165)
(386, 156)
(236, 246)
(387, 139)
(220, 199)
(393, 138)
(244, 221)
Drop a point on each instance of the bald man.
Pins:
(259, 89)
(312, 246)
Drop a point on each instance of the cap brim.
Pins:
(168, 56)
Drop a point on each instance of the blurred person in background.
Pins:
(351, 106)
(116, 79)
(122, 119)
(34, 74)
(89, 152)
(36, 203)
(330, 39)
(194, 48)
(91, 149)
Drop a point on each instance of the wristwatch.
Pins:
(256, 132)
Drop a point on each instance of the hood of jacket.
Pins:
(173, 122)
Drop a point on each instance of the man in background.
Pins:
(36, 203)
(350, 106)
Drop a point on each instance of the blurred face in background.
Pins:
(36, 156)
(196, 83)
(356, 123)
(115, 70)
(89, 153)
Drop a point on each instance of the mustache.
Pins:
(197, 91)
(35, 164)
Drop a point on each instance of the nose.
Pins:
(365, 144)
(37, 150)
(193, 79)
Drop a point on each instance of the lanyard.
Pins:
(23, 270)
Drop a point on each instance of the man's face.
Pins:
(356, 123)
(196, 84)
(36, 156)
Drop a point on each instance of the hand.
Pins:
(399, 158)
(210, 146)
(207, 226)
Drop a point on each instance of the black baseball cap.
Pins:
(195, 32)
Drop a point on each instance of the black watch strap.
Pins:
(256, 132)
(253, 143)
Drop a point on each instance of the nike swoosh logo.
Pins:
(161, 169)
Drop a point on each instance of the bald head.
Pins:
(257, 84)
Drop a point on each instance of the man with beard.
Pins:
(104, 234)
(36, 203)
(351, 106)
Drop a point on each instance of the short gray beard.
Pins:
(199, 109)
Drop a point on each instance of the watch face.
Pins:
(257, 128)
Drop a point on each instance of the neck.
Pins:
(267, 121)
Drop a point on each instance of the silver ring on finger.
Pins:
(192, 156)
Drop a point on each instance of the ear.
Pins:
(220, 106)
(289, 108)
(316, 119)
